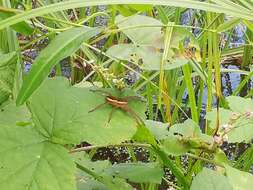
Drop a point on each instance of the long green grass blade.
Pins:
(62, 46)
(86, 3)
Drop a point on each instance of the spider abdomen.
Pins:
(116, 102)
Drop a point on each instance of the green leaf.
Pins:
(21, 27)
(220, 157)
(29, 161)
(241, 131)
(62, 46)
(83, 159)
(158, 129)
(144, 135)
(11, 115)
(7, 71)
(139, 34)
(150, 56)
(239, 118)
(187, 129)
(137, 172)
(90, 184)
(103, 181)
(211, 180)
(224, 115)
(184, 137)
(173, 146)
(239, 104)
(110, 183)
(61, 112)
(238, 179)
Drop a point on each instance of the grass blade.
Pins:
(62, 46)
(86, 3)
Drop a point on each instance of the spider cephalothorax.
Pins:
(119, 103)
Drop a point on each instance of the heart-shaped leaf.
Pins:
(61, 112)
(184, 137)
(238, 119)
(148, 55)
(29, 161)
(158, 129)
(211, 180)
(97, 178)
(239, 179)
(149, 35)
(12, 115)
(137, 172)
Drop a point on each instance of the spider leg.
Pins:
(101, 91)
(98, 106)
(110, 116)
(137, 118)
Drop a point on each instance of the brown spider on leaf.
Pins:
(118, 103)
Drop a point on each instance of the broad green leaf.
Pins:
(12, 115)
(180, 35)
(29, 161)
(150, 56)
(110, 183)
(62, 46)
(137, 172)
(98, 169)
(211, 180)
(144, 135)
(90, 184)
(147, 31)
(239, 118)
(184, 137)
(83, 159)
(173, 146)
(21, 27)
(224, 116)
(242, 128)
(61, 112)
(238, 179)
(187, 129)
(139, 34)
(239, 104)
(158, 129)
(7, 71)
(241, 131)
(221, 157)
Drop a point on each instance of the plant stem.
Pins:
(110, 146)
(204, 159)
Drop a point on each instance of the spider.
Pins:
(118, 103)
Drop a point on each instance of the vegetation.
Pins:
(142, 84)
